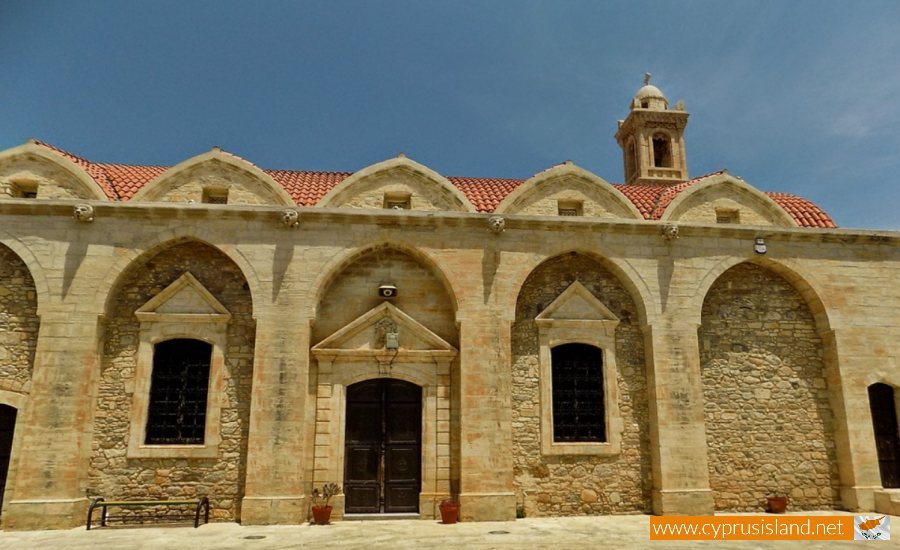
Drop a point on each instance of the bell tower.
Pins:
(652, 139)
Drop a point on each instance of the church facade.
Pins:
(554, 346)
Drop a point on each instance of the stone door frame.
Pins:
(337, 371)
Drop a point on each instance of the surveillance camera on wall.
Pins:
(387, 291)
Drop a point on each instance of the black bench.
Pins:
(103, 504)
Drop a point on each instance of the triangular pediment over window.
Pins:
(187, 301)
(576, 304)
(366, 337)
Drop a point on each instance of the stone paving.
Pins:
(619, 532)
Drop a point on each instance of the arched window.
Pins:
(662, 151)
(579, 413)
(179, 388)
(887, 437)
(630, 160)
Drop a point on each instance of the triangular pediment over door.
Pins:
(365, 337)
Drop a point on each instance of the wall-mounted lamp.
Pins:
(392, 340)
(760, 246)
(387, 291)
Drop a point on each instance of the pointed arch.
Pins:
(255, 181)
(803, 281)
(725, 187)
(148, 248)
(418, 179)
(548, 184)
(38, 276)
(644, 300)
(340, 262)
(89, 188)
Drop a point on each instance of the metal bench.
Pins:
(103, 504)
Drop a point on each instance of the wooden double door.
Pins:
(383, 447)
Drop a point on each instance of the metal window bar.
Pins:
(178, 393)
(579, 413)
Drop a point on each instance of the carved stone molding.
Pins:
(83, 213)
(669, 231)
(290, 218)
(497, 224)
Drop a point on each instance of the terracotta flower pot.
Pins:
(321, 514)
(777, 505)
(449, 513)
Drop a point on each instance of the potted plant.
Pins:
(449, 510)
(320, 508)
(777, 503)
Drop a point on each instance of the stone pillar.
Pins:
(58, 426)
(486, 463)
(677, 424)
(282, 422)
(854, 436)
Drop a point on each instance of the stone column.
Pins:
(486, 464)
(58, 426)
(853, 432)
(677, 424)
(282, 422)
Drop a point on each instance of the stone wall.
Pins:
(52, 181)
(354, 291)
(424, 195)
(768, 419)
(18, 323)
(579, 484)
(544, 200)
(242, 187)
(112, 474)
(702, 208)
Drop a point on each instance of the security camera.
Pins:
(387, 291)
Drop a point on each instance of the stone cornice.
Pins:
(414, 218)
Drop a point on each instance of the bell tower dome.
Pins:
(652, 139)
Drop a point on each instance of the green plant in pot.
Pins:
(321, 509)
(449, 510)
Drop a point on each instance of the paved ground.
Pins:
(619, 532)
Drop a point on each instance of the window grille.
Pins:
(579, 413)
(179, 389)
(728, 216)
(568, 212)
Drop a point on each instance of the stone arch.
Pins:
(368, 298)
(630, 278)
(662, 145)
(737, 193)
(19, 323)
(604, 199)
(546, 473)
(139, 252)
(35, 270)
(769, 422)
(85, 187)
(120, 464)
(801, 279)
(631, 164)
(220, 168)
(364, 190)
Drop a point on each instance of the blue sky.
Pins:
(795, 96)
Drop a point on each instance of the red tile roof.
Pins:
(122, 181)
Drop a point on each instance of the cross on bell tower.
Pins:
(652, 139)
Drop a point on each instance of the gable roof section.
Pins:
(306, 188)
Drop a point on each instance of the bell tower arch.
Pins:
(652, 139)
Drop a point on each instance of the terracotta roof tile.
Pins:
(803, 211)
(485, 194)
(307, 188)
(122, 181)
